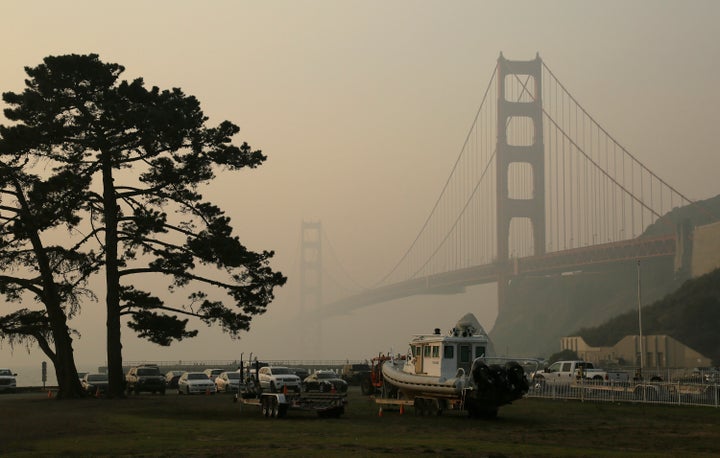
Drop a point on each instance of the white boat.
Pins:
(458, 365)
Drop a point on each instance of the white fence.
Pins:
(658, 392)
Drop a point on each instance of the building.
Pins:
(705, 250)
(661, 351)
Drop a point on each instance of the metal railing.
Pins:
(200, 365)
(655, 392)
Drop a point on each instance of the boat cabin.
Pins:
(439, 355)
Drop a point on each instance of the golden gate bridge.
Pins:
(539, 186)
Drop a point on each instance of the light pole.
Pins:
(642, 351)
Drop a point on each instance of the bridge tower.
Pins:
(524, 110)
(310, 266)
(311, 286)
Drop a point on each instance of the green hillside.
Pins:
(691, 315)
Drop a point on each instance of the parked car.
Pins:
(94, 383)
(228, 382)
(213, 373)
(195, 382)
(301, 372)
(145, 378)
(324, 381)
(171, 379)
(276, 378)
(7, 380)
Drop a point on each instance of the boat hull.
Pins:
(413, 385)
(483, 390)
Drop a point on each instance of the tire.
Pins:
(265, 408)
(274, 408)
(273, 388)
(366, 386)
(638, 393)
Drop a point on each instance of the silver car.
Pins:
(229, 382)
(7, 380)
(275, 378)
(195, 382)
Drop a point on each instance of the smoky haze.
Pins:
(362, 108)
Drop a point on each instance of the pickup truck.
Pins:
(566, 372)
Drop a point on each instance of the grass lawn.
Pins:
(31, 424)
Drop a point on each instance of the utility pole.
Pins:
(639, 298)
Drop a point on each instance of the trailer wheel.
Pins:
(366, 386)
(274, 408)
(264, 405)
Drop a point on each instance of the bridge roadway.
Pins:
(455, 282)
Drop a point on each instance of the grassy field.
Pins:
(171, 425)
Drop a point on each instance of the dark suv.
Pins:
(145, 378)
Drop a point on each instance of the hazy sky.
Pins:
(362, 108)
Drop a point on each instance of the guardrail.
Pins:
(200, 365)
(676, 392)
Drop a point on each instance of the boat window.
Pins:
(417, 350)
(479, 352)
(449, 352)
(436, 351)
(426, 352)
(464, 353)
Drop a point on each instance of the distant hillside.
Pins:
(698, 214)
(538, 311)
(691, 315)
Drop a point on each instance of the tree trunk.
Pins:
(64, 361)
(116, 377)
(65, 371)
